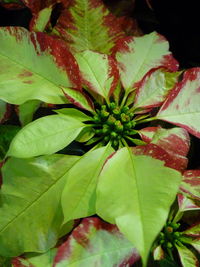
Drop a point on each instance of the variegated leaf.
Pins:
(40, 21)
(187, 258)
(154, 88)
(34, 66)
(186, 204)
(138, 55)
(193, 231)
(182, 106)
(88, 24)
(99, 72)
(190, 184)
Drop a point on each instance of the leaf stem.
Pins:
(146, 120)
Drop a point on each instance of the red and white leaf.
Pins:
(157, 152)
(190, 184)
(187, 258)
(176, 142)
(138, 55)
(34, 66)
(182, 106)
(193, 231)
(154, 88)
(186, 204)
(96, 243)
(88, 24)
(78, 98)
(99, 72)
(147, 133)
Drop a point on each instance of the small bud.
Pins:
(96, 119)
(113, 135)
(103, 107)
(169, 245)
(118, 126)
(98, 131)
(106, 138)
(128, 125)
(115, 144)
(125, 109)
(104, 114)
(106, 129)
(111, 120)
(116, 111)
(169, 229)
(176, 234)
(131, 114)
(124, 117)
(112, 105)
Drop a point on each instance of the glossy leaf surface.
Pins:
(45, 136)
(32, 67)
(138, 55)
(79, 193)
(88, 24)
(30, 200)
(182, 106)
(140, 201)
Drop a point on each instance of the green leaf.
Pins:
(32, 67)
(30, 211)
(187, 258)
(182, 106)
(137, 199)
(41, 20)
(3, 109)
(7, 133)
(79, 194)
(88, 24)
(193, 231)
(138, 55)
(99, 72)
(86, 134)
(73, 113)
(45, 136)
(27, 110)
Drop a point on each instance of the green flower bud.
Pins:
(125, 109)
(116, 112)
(103, 107)
(176, 234)
(115, 143)
(118, 126)
(128, 125)
(106, 138)
(112, 105)
(169, 245)
(124, 117)
(111, 120)
(98, 131)
(169, 229)
(113, 135)
(106, 129)
(96, 119)
(104, 114)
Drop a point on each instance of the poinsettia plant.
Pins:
(132, 111)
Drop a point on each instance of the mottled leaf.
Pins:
(187, 258)
(190, 184)
(88, 24)
(30, 201)
(182, 106)
(147, 133)
(99, 72)
(186, 204)
(34, 66)
(154, 88)
(137, 199)
(138, 55)
(79, 193)
(45, 136)
(96, 243)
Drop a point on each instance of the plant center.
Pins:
(113, 124)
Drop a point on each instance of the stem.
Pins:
(124, 99)
(146, 120)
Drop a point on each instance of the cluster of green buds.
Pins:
(170, 237)
(113, 123)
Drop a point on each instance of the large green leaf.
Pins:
(99, 72)
(34, 66)
(79, 194)
(45, 136)
(137, 55)
(136, 192)
(182, 106)
(88, 24)
(30, 211)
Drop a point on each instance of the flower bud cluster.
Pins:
(170, 237)
(113, 123)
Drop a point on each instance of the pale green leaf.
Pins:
(30, 211)
(27, 110)
(31, 67)
(73, 113)
(136, 193)
(45, 136)
(79, 194)
(42, 19)
(187, 258)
